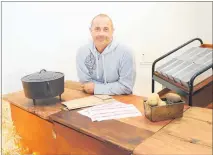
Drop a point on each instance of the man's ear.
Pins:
(113, 30)
(90, 30)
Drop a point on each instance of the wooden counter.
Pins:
(191, 134)
(47, 129)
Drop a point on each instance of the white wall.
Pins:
(37, 35)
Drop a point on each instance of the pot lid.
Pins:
(42, 76)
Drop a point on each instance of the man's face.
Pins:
(101, 31)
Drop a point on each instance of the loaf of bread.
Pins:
(153, 99)
(172, 97)
(161, 103)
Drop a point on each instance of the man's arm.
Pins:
(126, 80)
(82, 71)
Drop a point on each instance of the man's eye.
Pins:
(97, 29)
(106, 29)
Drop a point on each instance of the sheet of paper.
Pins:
(84, 112)
(117, 116)
(87, 111)
(111, 110)
(85, 102)
(103, 97)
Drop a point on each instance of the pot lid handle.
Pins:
(42, 70)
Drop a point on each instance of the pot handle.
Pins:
(42, 70)
(48, 88)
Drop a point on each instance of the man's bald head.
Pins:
(102, 16)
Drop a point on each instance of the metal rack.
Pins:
(177, 87)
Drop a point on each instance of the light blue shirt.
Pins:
(112, 71)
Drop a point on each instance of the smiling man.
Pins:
(105, 66)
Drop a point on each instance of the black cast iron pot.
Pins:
(43, 84)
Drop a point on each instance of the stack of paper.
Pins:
(87, 101)
(111, 110)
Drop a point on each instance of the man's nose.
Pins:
(101, 32)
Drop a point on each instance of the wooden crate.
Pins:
(160, 113)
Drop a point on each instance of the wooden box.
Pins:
(168, 111)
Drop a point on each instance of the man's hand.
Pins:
(89, 87)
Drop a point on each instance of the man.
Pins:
(104, 66)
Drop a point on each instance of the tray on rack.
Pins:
(187, 73)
